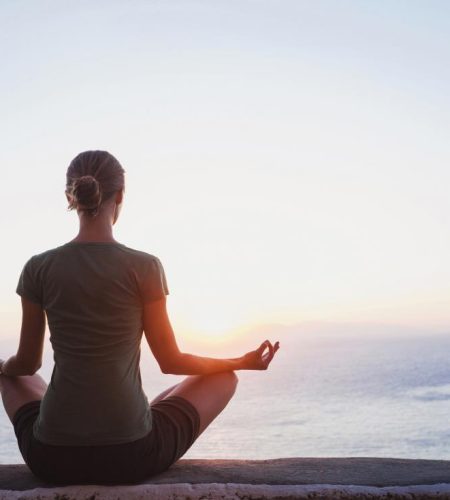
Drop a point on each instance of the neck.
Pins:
(95, 229)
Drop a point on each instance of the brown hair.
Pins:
(92, 178)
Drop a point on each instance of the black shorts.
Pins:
(175, 427)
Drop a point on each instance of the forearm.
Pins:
(189, 364)
(13, 367)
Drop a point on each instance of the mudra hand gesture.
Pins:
(261, 357)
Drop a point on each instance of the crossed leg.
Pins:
(209, 394)
(17, 391)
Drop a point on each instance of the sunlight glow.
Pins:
(286, 162)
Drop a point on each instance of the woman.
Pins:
(93, 423)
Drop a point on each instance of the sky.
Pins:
(287, 161)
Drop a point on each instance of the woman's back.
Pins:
(93, 294)
(93, 423)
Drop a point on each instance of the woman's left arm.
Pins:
(28, 359)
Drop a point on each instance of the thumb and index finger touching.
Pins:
(272, 350)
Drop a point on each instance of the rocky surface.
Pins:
(230, 492)
(339, 478)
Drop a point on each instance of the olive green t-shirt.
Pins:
(93, 295)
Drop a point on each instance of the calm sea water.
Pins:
(383, 395)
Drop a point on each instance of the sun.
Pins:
(211, 328)
(206, 327)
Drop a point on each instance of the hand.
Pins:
(259, 359)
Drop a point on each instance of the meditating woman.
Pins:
(93, 422)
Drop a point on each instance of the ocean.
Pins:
(330, 392)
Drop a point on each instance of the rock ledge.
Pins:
(283, 478)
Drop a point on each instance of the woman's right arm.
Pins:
(162, 342)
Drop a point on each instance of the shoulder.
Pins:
(149, 273)
(38, 260)
(140, 256)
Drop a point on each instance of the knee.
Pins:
(234, 378)
(225, 380)
(230, 379)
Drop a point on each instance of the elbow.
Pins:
(30, 373)
(17, 367)
(165, 369)
(32, 370)
(26, 367)
(169, 370)
(172, 366)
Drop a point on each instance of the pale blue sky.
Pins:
(286, 160)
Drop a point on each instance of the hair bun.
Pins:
(92, 178)
(86, 194)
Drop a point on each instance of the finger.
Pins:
(269, 356)
(263, 347)
(267, 359)
(271, 349)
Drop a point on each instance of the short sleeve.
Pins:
(28, 285)
(154, 284)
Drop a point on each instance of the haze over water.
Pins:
(326, 394)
